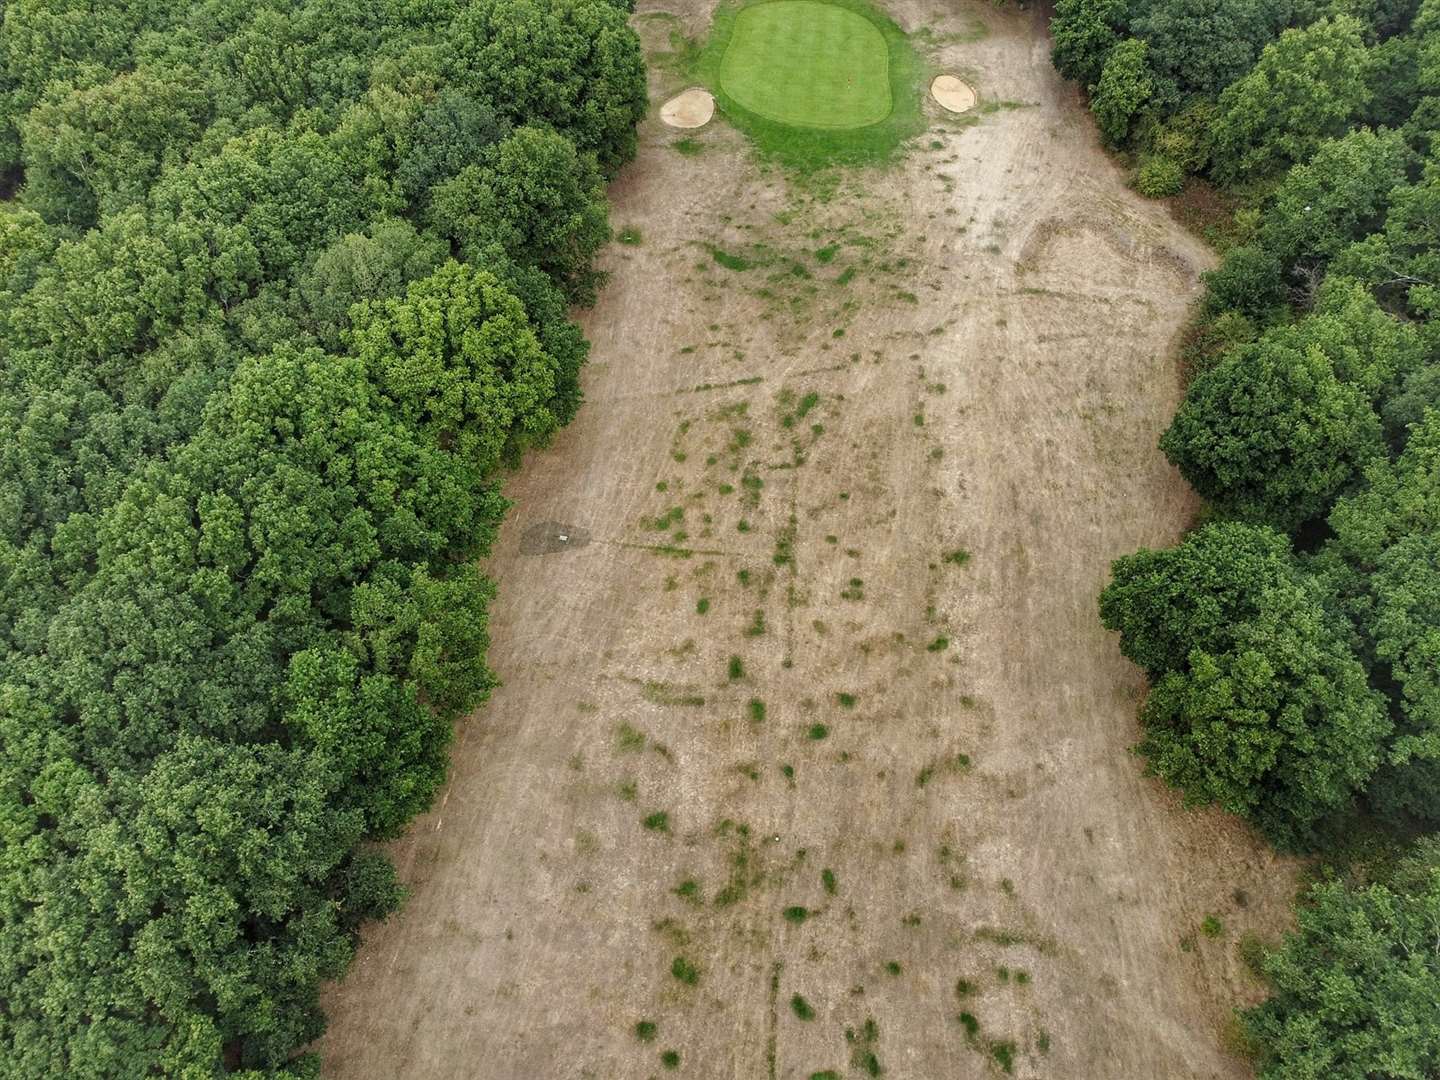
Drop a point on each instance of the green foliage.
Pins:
(573, 66)
(1277, 430)
(1249, 281)
(1158, 177)
(1082, 33)
(376, 264)
(1305, 88)
(1184, 138)
(1258, 703)
(1199, 47)
(1123, 88)
(1403, 257)
(1335, 198)
(1164, 604)
(535, 198)
(685, 971)
(1381, 560)
(1299, 689)
(1356, 989)
(253, 416)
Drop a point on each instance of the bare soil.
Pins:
(879, 440)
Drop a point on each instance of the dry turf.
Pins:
(811, 753)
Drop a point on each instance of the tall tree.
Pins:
(1305, 87)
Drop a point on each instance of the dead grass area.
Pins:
(813, 758)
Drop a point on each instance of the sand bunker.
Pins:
(692, 109)
(952, 94)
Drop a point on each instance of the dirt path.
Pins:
(799, 406)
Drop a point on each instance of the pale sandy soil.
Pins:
(690, 108)
(952, 94)
(985, 330)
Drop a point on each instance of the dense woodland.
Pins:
(283, 288)
(1292, 639)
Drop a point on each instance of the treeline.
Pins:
(283, 286)
(1292, 640)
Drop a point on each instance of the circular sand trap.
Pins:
(692, 109)
(952, 94)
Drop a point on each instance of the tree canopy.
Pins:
(282, 292)
(1357, 986)
(1292, 640)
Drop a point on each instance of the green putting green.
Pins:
(809, 64)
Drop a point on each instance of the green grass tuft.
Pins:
(685, 971)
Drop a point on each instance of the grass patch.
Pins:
(851, 94)
(802, 1008)
(827, 881)
(756, 709)
(664, 694)
(688, 147)
(796, 915)
(659, 821)
(1003, 1051)
(730, 262)
(817, 732)
(628, 740)
(958, 557)
(645, 1030)
(863, 1056)
(670, 1059)
(685, 971)
(629, 235)
(833, 65)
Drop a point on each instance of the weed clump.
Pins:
(685, 971)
